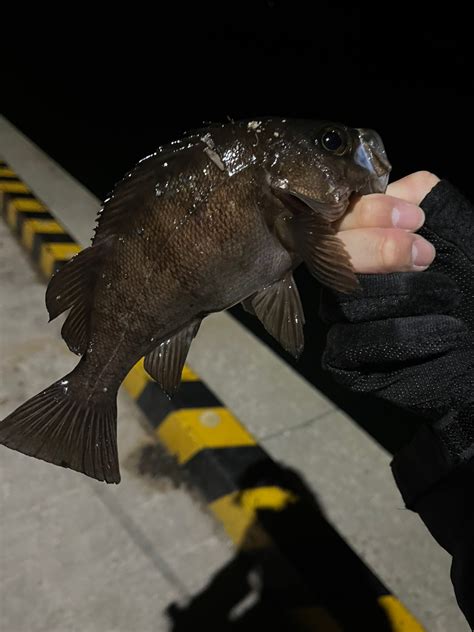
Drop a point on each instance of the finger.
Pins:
(383, 211)
(413, 188)
(380, 251)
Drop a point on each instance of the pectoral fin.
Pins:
(325, 254)
(279, 308)
(165, 363)
(316, 242)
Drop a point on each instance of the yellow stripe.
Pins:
(18, 204)
(189, 375)
(136, 380)
(50, 253)
(189, 430)
(27, 204)
(7, 173)
(32, 226)
(13, 187)
(400, 619)
(238, 513)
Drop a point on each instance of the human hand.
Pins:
(408, 338)
(377, 230)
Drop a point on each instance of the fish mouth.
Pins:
(371, 156)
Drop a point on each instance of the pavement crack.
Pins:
(303, 424)
(140, 539)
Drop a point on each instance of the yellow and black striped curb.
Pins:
(261, 505)
(43, 237)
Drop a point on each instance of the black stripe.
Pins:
(10, 196)
(157, 406)
(23, 196)
(49, 238)
(195, 395)
(10, 179)
(3, 164)
(220, 471)
(22, 216)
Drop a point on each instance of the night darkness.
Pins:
(100, 101)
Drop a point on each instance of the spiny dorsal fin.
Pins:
(165, 363)
(279, 308)
(138, 188)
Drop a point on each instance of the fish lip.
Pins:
(374, 185)
(371, 156)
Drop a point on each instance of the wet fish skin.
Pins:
(219, 217)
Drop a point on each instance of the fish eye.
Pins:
(334, 141)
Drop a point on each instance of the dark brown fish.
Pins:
(220, 217)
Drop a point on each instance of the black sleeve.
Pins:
(435, 471)
(423, 373)
(435, 475)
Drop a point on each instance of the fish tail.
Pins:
(67, 430)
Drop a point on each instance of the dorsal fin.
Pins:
(140, 187)
(156, 174)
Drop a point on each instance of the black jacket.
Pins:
(441, 491)
(408, 338)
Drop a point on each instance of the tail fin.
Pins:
(55, 427)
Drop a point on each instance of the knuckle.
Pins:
(391, 253)
(370, 209)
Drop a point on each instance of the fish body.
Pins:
(219, 217)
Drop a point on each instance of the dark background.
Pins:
(97, 96)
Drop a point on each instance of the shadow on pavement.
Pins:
(308, 579)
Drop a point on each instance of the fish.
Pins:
(219, 217)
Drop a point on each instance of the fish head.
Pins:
(323, 163)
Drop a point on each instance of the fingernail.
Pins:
(423, 253)
(408, 216)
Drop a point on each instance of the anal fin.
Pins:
(165, 363)
(75, 330)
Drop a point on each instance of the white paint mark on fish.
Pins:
(254, 125)
(214, 156)
(207, 138)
